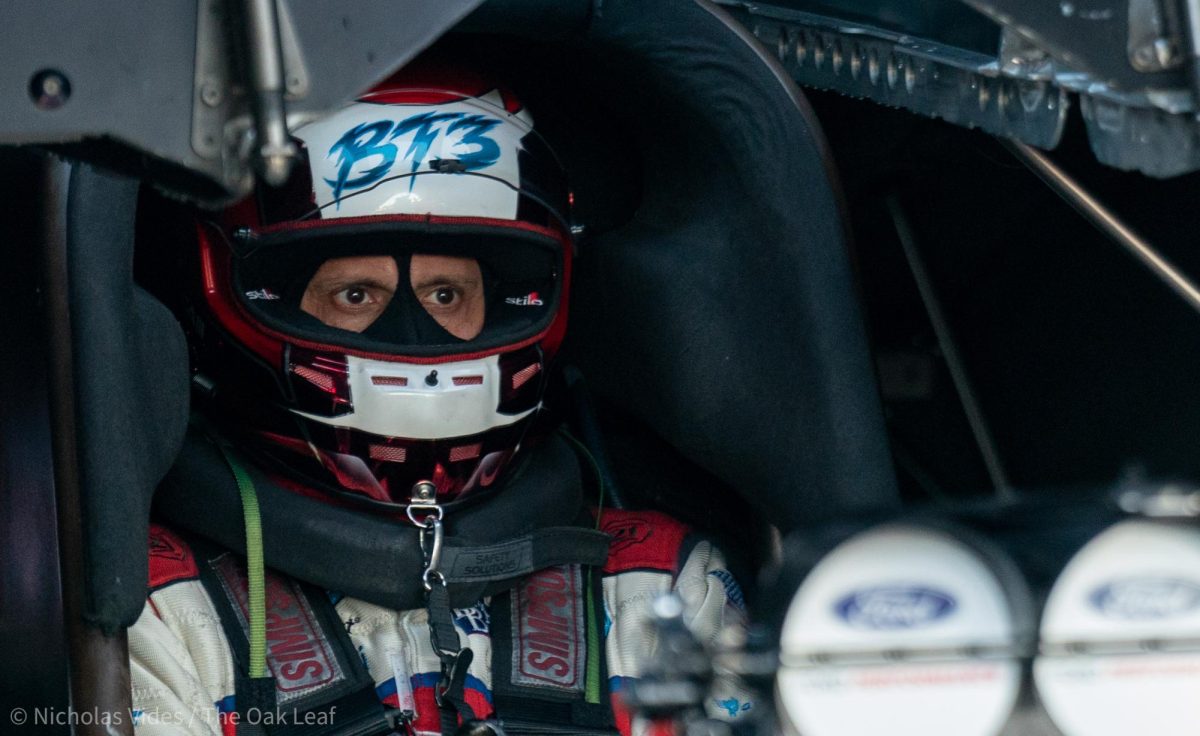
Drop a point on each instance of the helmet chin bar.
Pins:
(416, 402)
(378, 427)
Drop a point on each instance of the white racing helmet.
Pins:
(386, 317)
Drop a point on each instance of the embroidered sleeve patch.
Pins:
(642, 540)
(170, 558)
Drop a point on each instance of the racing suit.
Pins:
(183, 670)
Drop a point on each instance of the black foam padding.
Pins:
(724, 314)
(131, 392)
(360, 554)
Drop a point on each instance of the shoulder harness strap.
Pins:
(321, 684)
(548, 656)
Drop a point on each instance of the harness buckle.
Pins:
(451, 661)
(432, 551)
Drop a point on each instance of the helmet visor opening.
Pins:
(358, 293)
(385, 288)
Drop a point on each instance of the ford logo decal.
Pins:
(894, 607)
(1146, 599)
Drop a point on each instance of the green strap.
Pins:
(594, 646)
(255, 572)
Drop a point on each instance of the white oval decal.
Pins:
(1143, 599)
(894, 607)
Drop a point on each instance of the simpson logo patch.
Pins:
(297, 654)
(548, 637)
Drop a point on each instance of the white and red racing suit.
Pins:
(183, 672)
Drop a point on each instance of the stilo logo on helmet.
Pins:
(387, 315)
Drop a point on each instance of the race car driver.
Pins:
(375, 338)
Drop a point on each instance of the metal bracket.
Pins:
(956, 85)
(1140, 112)
(222, 124)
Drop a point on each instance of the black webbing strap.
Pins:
(253, 696)
(473, 572)
(455, 659)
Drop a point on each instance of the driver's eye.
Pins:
(450, 288)
(356, 295)
(350, 293)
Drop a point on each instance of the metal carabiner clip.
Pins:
(432, 551)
